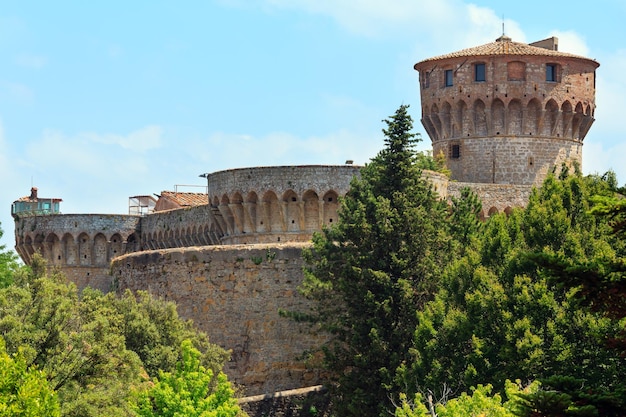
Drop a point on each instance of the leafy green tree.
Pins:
(374, 269)
(599, 285)
(153, 330)
(186, 392)
(496, 317)
(91, 347)
(24, 391)
(8, 265)
(481, 403)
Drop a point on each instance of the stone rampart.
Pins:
(496, 198)
(234, 293)
(277, 204)
(178, 228)
(81, 245)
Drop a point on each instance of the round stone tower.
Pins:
(507, 112)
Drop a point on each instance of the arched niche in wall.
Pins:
(436, 121)
(117, 245)
(462, 119)
(533, 116)
(100, 252)
(480, 118)
(551, 119)
(514, 118)
(271, 219)
(446, 120)
(84, 249)
(567, 115)
(251, 205)
(292, 210)
(330, 207)
(311, 210)
(497, 117)
(55, 251)
(577, 120)
(70, 248)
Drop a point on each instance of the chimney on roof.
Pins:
(33, 193)
(551, 44)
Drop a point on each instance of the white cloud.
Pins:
(599, 157)
(31, 61)
(146, 138)
(571, 42)
(19, 92)
(281, 148)
(93, 156)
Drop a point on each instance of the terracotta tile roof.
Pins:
(504, 46)
(185, 199)
(28, 198)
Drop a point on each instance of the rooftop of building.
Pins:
(185, 199)
(506, 46)
(34, 197)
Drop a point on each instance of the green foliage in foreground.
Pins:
(94, 349)
(24, 391)
(8, 265)
(496, 316)
(189, 391)
(482, 403)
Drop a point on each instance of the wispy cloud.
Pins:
(21, 93)
(149, 137)
(31, 61)
(282, 148)
(572, 42)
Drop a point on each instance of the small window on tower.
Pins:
(552, 72)
(448, 78)
(455, 151)
(479, 72)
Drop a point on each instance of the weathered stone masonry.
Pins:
(235, 293)
(504, 115)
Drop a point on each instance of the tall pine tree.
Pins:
(372, 271)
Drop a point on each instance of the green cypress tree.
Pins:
(374, 269)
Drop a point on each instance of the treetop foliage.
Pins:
(94, 349)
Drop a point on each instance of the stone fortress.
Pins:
(503, 114)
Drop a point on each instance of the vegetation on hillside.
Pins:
(92, 354)
(423, 300)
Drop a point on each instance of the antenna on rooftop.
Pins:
(502, 24)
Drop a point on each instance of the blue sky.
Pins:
(100, 101)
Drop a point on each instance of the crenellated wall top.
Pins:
(280, 179)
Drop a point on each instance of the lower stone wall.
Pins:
(303, 402)
(88, 276)
(234, 294)
(496, 198)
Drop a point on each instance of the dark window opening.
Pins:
(426, 80)
(293, 199)
(448, 80)
(455, 151)
(479, 74)
(551, 72)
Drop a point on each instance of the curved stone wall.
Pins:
(178, 228)
(81, 245)
(495, 198)
(277, 204)
(234, 293)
